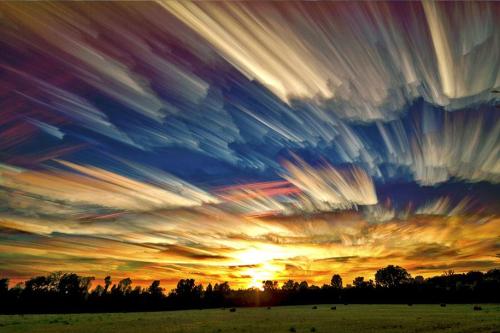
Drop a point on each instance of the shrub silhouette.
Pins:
(333, 308)
(477, 308)
(232, 310)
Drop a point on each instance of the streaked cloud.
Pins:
(374, 58)
(95, 186)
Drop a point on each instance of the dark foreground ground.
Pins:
(347, 318)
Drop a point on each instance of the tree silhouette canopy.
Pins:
(69, 292)
(336, 281)
(392, 276)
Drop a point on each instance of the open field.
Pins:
(347, 318)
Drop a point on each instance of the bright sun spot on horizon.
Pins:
(260, 273)
(260, 267)
(258, 276)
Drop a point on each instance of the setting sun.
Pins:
(258, 275)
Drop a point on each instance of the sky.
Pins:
(244, 141)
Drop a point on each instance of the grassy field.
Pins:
(347, 318)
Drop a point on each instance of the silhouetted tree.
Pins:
(198, 291)
(155, 289)
(336, 281)
(136, 291)
(4, 286)
(358, 282)
(269, 285)
(289, 285)
(392, 276)
(69, 292)
(43, 284)
(473, 277)
(449, 272)
(222, 288)
(98, 291)
(185, 287)
(107, 283)
(419, 279)
(124, 287)
(72, 285)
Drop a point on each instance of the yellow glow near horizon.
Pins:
(262, 273)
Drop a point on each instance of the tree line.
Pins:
(69, 292)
